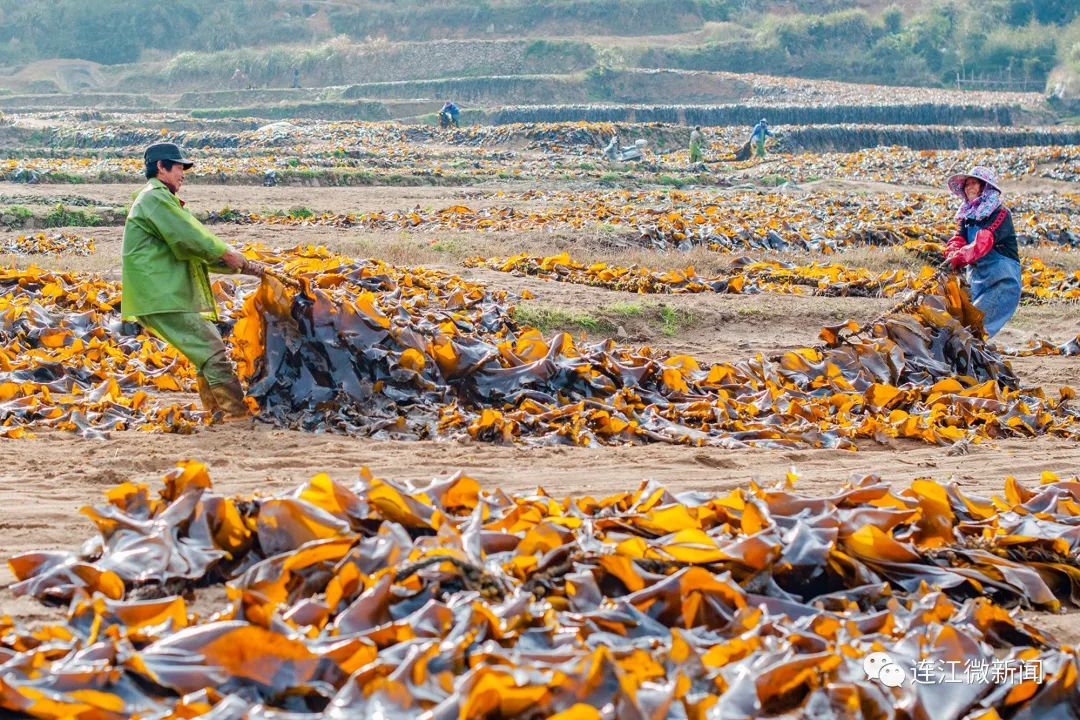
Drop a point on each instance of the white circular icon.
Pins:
(892, 675)
(872, 664)
(879, 666)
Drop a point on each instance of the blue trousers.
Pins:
(995, 289)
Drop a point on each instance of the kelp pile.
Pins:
(1044, 283)
(746, 114)
(931, 167)
(682, 220)
(442, 600)
(850, 137)
(52, 200)
(116, 130)
(62, 243)
(546, 136)
(364, 351)
(66, 361)
(820, 91)
(746, 275)
(1045, 347)
(1041, 283)
(782, 221)
(369, 349)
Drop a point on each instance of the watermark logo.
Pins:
(879, 666)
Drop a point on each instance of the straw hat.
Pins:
(979, 172)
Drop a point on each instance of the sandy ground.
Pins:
(44, 481)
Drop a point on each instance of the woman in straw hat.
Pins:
(985, 243)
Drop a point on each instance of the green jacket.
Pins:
(167, 254)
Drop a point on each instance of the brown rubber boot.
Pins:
(209, 402)
(230, 399)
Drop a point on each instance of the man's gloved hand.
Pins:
(235, 260)
(232, 259)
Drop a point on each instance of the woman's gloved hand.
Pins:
(956, 242)
(953, 248)
(967, 254)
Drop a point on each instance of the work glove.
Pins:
(953, 247)
(984, 243)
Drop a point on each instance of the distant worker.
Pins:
(695, 145)
(239, 79)
(611, 151)
(449, 115)
(295, 76)
(166, 288)
(985, 243)
(758, 135)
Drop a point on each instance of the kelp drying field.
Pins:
(539, 435)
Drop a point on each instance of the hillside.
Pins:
(334, 43)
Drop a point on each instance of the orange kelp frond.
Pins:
(746, 276)
(680, 220)
(440, 599)
(67, 362)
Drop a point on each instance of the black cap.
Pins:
(166, 151)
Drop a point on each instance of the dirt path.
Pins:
(42, 486)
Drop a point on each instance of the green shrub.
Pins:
(61, 216)
(772, 180)
(16, 216)
(301, 212)
(676, 182)
(892, 19)
(673, 319)
(1058, 12)
(547, 319)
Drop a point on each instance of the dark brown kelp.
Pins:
(426, 355)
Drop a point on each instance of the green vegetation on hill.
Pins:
(424, 20)
(926, 48)
(121, 31)
(339, 62)
(200, 43)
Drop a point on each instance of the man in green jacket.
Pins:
(166, 286)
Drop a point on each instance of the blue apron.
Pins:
(995, 286)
